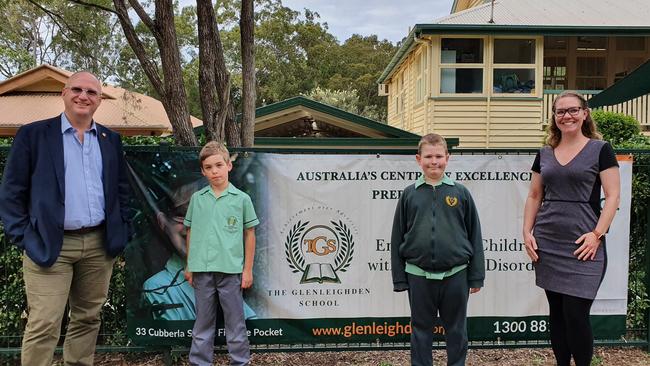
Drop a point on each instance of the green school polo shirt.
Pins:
(417, 271)
(217, 229)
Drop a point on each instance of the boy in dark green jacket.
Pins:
(437, 254)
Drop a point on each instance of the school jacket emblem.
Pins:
(451, 201)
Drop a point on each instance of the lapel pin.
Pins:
(103, 134)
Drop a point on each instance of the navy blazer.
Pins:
(32, 194)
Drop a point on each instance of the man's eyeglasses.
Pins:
(91, 93)
(559, 113)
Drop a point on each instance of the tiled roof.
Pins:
(35, 95)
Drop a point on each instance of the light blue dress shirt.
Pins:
(84, 192)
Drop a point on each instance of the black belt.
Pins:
(84, 230)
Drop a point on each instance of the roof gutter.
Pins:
(544, 30)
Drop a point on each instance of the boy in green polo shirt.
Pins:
(220, 241)
(437, 254)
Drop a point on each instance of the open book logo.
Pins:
(319, 251)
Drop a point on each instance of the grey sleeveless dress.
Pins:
(567, 212)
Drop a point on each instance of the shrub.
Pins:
(616, 127)
(12, 294)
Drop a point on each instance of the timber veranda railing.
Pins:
(638, 107)
(113, 336)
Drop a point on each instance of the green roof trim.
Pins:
(399, 56)
(544, 30)
(335, 112)
(357, 142)
(393, 132)
(453, 7)
(504, 29)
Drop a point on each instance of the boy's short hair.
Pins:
(214, 148)
(432, 139)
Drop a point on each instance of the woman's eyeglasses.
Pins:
(559, 113)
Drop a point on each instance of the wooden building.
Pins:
(489, 72)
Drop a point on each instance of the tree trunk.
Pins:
(171, 86)
(207, 58)
(174, 85)
(247, 26)
(222, 125)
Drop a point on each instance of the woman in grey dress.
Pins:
(564, 225)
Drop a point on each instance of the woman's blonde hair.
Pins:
(589, 129)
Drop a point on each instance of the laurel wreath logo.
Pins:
(292, 247)
(297, 261)
(344, 257)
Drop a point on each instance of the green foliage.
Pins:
(638, 302)
(616, 127)
(597, 360)
(295, 54)
(347, 100)
(58, 33)
(155, 140)
(148, 140)
(6, 141)
(114, 310)
(638, 294)
(361, 60)
(12, 293)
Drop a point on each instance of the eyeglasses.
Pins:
(559, 113)
(90, 93)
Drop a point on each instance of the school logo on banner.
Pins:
(319, 244)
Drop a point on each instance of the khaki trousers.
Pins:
(80, 277)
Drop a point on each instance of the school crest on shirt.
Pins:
(451, 201)
(231, 223)
(319, 243)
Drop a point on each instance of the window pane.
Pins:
(514, 51)
(556, 43)
(462, 51)
(626, 65)
(592, 43)
(591, 66)
(555, 72)
(514, 81)
(630, 44)
(461, 80)
(591, 83)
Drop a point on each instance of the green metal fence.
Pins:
(113, 332)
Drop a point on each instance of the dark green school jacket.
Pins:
(436, 229)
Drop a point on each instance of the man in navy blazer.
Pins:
(63, 200)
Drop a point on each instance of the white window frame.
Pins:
(539, 42)
(443, 66)
(420, 66)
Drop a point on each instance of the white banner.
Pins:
(327, 221)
